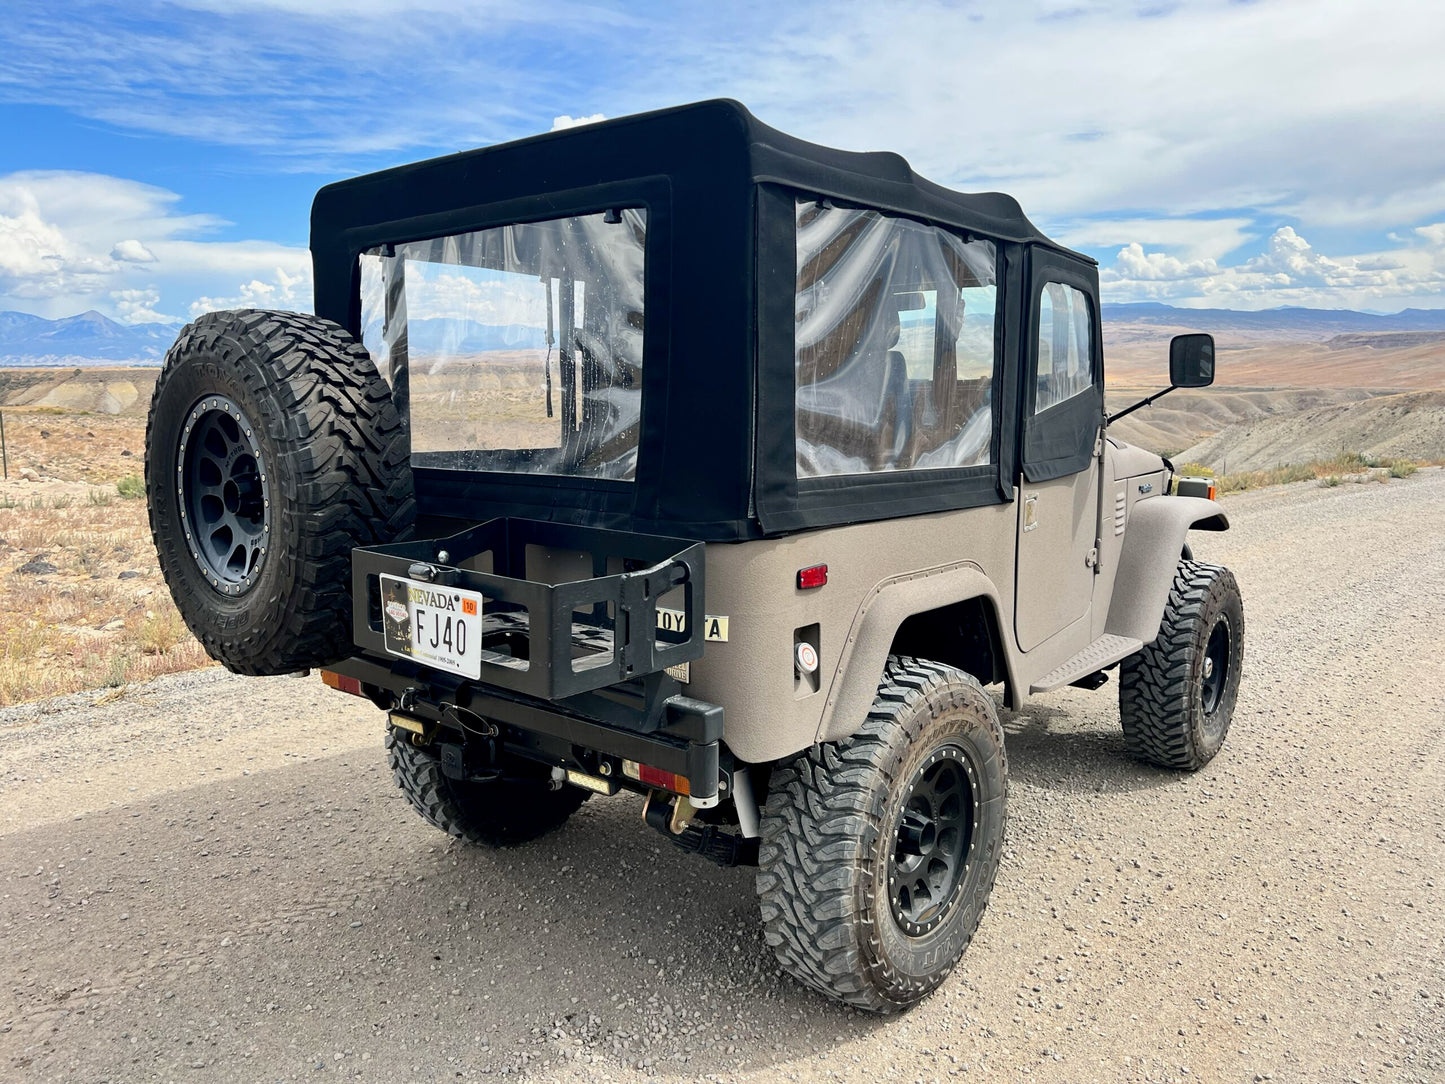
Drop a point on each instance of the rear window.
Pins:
(895, 347)
(518, 348)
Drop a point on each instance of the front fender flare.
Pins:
(1152, 546)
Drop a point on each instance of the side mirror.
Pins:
(1191, 361)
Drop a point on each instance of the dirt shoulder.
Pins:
(213, 878)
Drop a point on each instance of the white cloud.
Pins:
(73, 241)
(282, 291)
(476, 296)
(139, 307)
(1135, 263)
(1171, 137)
(1190, 238)
(1288, 272)
(132, 251)
(565, 121)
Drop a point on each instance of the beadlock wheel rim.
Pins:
(225, 497)
(933, 841)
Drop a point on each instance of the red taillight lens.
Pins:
(814, 576)
(655, 777)
(341, 683)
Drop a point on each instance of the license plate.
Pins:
(440, 627)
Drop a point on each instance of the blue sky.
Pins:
(159, 156)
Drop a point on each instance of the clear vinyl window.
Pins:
(517, 348)
(1066, 346)
(895, 349)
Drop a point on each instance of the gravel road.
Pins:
(211, 878)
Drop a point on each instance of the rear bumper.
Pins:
(649, 721)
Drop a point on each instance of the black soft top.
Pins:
(758, 152)
(720, 289)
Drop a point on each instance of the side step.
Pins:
(1104, 651)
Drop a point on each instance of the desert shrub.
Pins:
(1402, 468)
(161, 631)
(131, 487)
(1193, 470)
(1331, 480)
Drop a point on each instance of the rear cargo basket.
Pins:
(566, 610)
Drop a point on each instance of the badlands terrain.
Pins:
(83, 605)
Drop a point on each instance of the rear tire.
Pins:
(879, 852)
(501, 813)
(272, 449)
(1177, 695)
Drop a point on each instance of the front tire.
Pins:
(879, 852)
(1177, 695)
(500, 813)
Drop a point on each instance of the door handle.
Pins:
(1031, 511)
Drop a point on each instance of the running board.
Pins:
(1105, 651)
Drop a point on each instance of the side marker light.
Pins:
(813, 576)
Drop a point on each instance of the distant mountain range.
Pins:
(87, 339)
(1325, 322)
(93, 339)
(439, 336)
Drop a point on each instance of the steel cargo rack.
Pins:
(564, 610)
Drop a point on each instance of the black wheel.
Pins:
(1177, 695)
(272, 449)
(879, 852)
(501, 813)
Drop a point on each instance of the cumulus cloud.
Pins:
(565, 121)
(1289, 271)
(139, 307)
(37, 258)
(280, 291)
(132, 251)
(72, 241)
(476, 295)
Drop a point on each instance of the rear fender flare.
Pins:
(1152, 547)
(891, 602)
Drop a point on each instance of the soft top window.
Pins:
(518, 348)
(1065, 365)
(894, 344)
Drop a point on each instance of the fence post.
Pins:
(4, 456)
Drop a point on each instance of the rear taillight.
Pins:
(649, 776)
(341, 683)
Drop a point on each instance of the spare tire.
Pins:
(273, 448)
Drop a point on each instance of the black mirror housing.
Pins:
(1191, 361)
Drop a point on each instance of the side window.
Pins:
(1066, 346)
(894, 344)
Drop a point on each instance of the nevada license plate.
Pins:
(440, 627)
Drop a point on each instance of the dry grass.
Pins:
(81, 626)
(1343, 467)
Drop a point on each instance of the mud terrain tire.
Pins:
(496, 814)
(845, 837)
(272, 449)
(1177, 695)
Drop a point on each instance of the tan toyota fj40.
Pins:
(676, 455)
